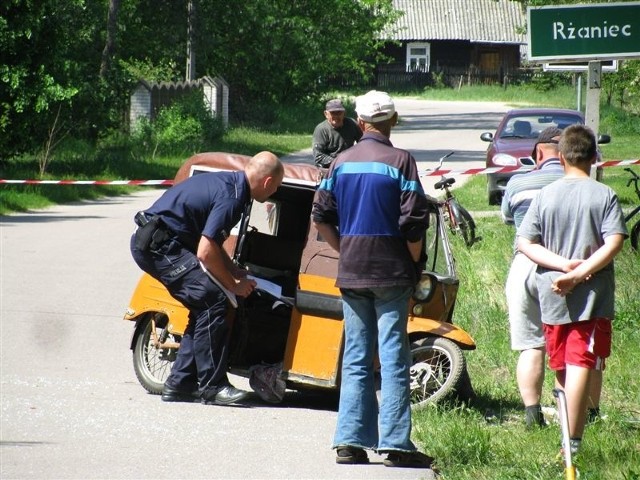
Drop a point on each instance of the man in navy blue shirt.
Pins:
(179, 237)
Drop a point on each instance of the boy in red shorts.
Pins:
(573, 230)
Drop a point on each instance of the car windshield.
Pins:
(530, 126)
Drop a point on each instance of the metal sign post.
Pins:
(594, 86)
(592, 104)
(579, 94)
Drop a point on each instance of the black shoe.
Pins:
(407, 460)
(534, 417)
(593, 415)
(170, 394)
(348, 455)
(225, 396)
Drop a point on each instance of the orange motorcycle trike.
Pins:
(297, 323)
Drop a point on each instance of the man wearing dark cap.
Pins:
(525, 321)
(333, 135)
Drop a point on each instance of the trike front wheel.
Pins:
(437, 365)
(154, 352)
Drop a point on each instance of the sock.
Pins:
(534, 416)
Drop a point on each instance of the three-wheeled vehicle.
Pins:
(298, 323)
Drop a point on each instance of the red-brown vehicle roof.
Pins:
(233, 161)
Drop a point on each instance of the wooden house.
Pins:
(454, 37)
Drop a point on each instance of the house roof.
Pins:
(491, 21)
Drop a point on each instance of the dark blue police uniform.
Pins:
(165, 245)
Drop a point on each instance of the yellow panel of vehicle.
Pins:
(151, 296)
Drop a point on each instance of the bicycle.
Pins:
(634, 234)
(460, 220)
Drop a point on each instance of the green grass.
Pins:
(520, 96)
(487, 439)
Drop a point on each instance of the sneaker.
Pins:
(407, 460)
(266, 382)
(348, 455)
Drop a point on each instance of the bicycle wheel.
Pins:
(464, 223)
(634, 236)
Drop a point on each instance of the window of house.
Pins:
(418, 57)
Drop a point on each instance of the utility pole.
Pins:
(191, 56)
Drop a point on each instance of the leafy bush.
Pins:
(547, 81)
(616, 119)
(184, 127)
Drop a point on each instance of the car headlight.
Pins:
(504, 159)
(424, 289)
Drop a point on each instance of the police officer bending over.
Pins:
(183, 229)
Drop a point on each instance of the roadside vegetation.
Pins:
(485, 439)
(155, 151)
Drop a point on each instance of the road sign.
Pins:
(584, 32)
(607, 66)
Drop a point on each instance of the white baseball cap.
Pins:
(375, 106)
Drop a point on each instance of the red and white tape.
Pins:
(141, 183)
(485, 171)
(168, 183)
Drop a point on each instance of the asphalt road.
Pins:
(431, 129)
(71, 407)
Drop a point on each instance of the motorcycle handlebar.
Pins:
(440, 160)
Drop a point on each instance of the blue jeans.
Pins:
(375, 317)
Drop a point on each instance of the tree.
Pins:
(49, 71)
(279, 50)
(109, 45)
(623, 85)
(63, 64)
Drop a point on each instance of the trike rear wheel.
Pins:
(436, 367)
(151, 361)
